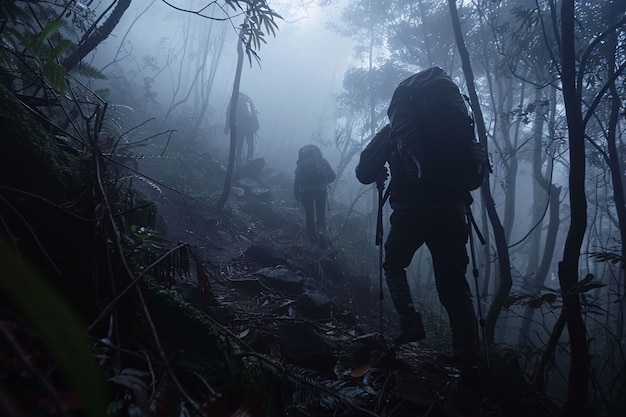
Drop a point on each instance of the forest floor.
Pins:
(300, 305)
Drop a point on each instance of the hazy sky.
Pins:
(301, 69)
(293, 88)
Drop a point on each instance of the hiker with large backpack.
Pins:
(310, 187)
(434, 162)
(247, 124)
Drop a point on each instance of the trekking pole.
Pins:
(327, 225)
(301, 225)
(380, 185)
(473, 226)
(379, 242)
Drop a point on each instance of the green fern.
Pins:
(46, 59)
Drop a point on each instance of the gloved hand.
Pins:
(479, 154)
(382, 177)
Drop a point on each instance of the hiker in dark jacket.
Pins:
(246, 125)
(310, 187)
(440, 223)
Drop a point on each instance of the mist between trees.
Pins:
(149, 82)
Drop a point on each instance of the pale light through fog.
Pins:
(300, 71)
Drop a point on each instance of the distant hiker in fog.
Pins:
(313, 174)
(246, 124)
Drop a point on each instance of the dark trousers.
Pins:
(445, 233)
(314, 204)
(246, 136)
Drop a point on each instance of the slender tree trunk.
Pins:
(545, 193)
(96, 35)
(538, 381)
(205, 92)
(616, 175)
(540, 195)
(577, 401)
(233, 127)
(509, 156)
(504, 269)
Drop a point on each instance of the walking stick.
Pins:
(473, 226)
(380, 185)
(300, 224)
(328, 227)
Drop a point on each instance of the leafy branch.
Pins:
(45, 59)
(260, 19)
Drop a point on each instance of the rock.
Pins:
(303, 347)
(286, 308)
(250, 170)
(331, 270)
(281, 279)
(270, 218)
(266, 253)
(261, 194)
(238, 191)
(248, 183)
(315, 305)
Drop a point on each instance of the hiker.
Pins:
(435, 216)
(310, 187)
(246, 124)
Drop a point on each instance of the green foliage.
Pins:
(529, 300)
(31, 160)
(611, 257)
(60, 329)
(361, 85)
(259, 20)
(258, 15)
(143, 239)
(193, 339)
(88, 71)
(44, 51)
(551, 296)
(9, 10)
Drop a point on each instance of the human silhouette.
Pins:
(246, 125)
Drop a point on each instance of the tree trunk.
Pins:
(577, 401)
(509, 156)
(615, 165)
(96, 35)
(504, 269)
(546, 262)
(233, 127)
(544, 193)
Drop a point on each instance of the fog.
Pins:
(293, 84)
(299, 74)
(170, 75)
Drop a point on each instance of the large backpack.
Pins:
(433, 132)
(310, 165)
(246, 113)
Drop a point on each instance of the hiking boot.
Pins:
(411, 329)
(464, 401)
(469, 393)
(469, 390)
(471, 377)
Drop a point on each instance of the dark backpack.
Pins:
(246, 113)
(433, 132)
(310, 165)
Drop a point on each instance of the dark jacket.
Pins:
(302, 184)
(404, 192)
(246, 119)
